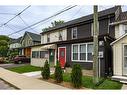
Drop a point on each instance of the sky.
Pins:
(36, 13)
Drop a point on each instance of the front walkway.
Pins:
(124, 87)
(25, 82)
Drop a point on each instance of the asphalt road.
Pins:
(5, 86)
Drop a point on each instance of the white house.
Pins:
(47, 50)
(120, 49)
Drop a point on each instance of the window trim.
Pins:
(73, 31)
(48, 37)
(124, 44)
(79, 52)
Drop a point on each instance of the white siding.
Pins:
(119, 30)
(37, 61)
(118, 56)
(15, 45)
(54, 36)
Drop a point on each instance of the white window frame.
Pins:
(79, 52)
(92, 29)
(125, 28)
(74, 28)
(123, 53)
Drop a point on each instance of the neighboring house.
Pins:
(15, 45)
(72, 42)
(29, 39)
(120, 48)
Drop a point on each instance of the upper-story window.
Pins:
(60, 35)
(92, 29)
(125, 29)
(48, 37)
(74, 32)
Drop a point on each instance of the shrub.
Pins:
(76, 76)
(46, 71)
(58, 73)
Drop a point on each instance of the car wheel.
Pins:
(19, 62)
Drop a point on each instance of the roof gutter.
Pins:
(119, 22)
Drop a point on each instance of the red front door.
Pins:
(62, 56)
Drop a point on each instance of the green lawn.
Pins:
(24, 69)
(88, 82)
(109, 84)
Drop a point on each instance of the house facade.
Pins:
(119, 47)
(29, 39)
(72, 42)
(15, 45)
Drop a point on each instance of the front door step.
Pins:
(120, 78)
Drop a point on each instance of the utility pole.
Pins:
(95, 39)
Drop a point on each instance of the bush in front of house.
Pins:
(76, 76)
(46, 71)
(58, 75)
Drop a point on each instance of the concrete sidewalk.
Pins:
(124, 87)
(25, 82)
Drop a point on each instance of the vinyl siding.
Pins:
(37, 61)
(54, 36)
(117, 56)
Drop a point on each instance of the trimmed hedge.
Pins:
(46, 71)
(58, 75)
(76, 76)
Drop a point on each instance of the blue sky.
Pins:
(36, 13)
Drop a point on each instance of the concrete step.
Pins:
(122, 79)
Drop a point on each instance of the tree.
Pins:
(3, 37)
(46, 71)
(53, 24)
(76, 76)
(4, 42)
(58, 73)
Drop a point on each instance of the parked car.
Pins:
(21, 59)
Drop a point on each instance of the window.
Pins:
(60, 35)
(75, 52)
(35, 54)
(43, 54)
(74, 33)
(125, 55)
(125, 29)
(92, 29)
(82, 52)
(48, 37)
(89, 52)
(39, 54)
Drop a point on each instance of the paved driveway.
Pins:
(12, 65)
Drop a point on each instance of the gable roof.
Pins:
(15, 40)
(85, 18)
(121, 19)
(35, 37)
(121, 37)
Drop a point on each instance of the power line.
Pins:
(77, 12)
(7, 14)
(50, 18)
(25, 22)
(9, 27)
(44, 19)
(15, 16)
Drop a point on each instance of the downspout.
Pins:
(105, 55)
